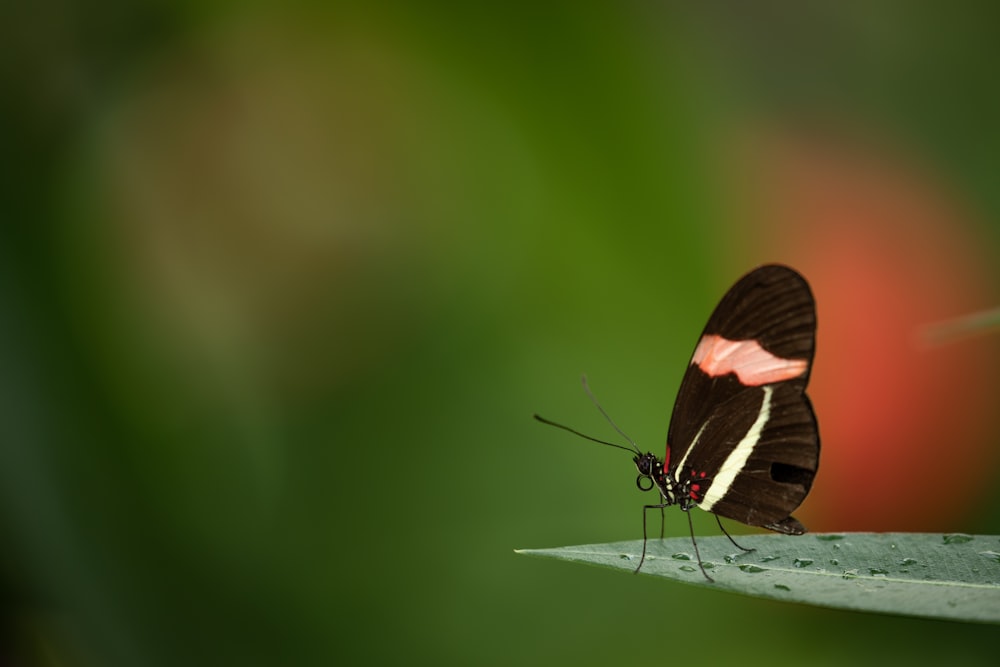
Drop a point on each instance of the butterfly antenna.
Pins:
(582, 435)
(593, 399)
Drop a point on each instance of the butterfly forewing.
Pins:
(772, 305)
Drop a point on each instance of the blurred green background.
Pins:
(281, 288)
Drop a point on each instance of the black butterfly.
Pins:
(743, 441)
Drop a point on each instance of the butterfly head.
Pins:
(651, 475)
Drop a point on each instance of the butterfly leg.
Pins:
(726, 533)
(644, 533)
(694, 542)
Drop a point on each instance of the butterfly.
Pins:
(743, 441)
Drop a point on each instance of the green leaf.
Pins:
(944, 576)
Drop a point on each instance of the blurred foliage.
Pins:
(280, 289)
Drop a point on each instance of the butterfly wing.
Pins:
(743, 430)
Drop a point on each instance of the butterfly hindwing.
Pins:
(763, 456)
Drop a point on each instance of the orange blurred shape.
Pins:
(908, 430)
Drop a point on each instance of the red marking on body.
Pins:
(753, 365)
(695, 487)
(703, 474)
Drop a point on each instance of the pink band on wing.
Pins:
(753, 365)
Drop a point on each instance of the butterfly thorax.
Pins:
(686, 491)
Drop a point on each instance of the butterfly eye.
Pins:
(646, 465)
